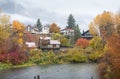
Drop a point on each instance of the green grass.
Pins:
(4, 66)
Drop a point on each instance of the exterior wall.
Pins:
(68, 32)
(87, 35)
(48, 44)
(45, 30)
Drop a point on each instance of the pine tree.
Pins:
(77, 33)
(71, 21)
(39, 25)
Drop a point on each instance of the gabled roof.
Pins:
(85, 32)
(67, 29)
(30, 44)
(54, 42)
(45, 38)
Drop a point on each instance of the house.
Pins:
(67, 31)
(48, 44)
(30, 44)
(32, 29)
(45, 29)
(86, 35)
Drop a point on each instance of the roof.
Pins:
(45, 38)
(67, 29)
(30, 44)
(85, 32)
(54, 42)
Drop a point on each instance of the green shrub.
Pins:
(74, 55)
(4, 66)
(34, 55)
(95, 55)
(49, 58)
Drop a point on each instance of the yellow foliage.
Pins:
(54, 28)
(93, 29)
(4, 19)
(104, 19)
(20, 34)
(20, 41)
(18, 26)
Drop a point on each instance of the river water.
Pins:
(65, 71)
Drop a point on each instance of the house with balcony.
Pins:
(46, 43)
(67, 31)
(86, 35)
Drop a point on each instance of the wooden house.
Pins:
(67, 31)
(87, 35)
(46, 43)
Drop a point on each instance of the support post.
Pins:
(92, 77)
(38, 77)
(34, 77)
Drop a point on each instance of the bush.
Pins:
(39, 57)
(14, 58)
(4, 66)
(83, 43)
(74, 55)
(49, 58)
(94, 56)
(34, 55)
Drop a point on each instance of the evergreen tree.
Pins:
(77, 33)
(39, 25)
(71, 21)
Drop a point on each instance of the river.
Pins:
(64, 71)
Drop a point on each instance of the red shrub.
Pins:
(13, 58)
(82, 43)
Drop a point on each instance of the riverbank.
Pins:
(9, 66)
(37, 57)
(4, 66)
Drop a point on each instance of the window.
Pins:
(54, 46)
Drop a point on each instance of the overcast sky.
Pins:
(58, 10)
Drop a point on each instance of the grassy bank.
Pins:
(72, 55)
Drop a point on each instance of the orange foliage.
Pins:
(111, 59)
(109, 28)
(18, 26)
(82, 43)
(54, 28)
(113, 43)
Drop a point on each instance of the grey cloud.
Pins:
(58, 10)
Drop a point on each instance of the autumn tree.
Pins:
(97, 48)
(10, 51)
(54, 28)
(96, 43)
(94, 30)
(63, 40)
(4, 19)
(83, 43)
(109, 66)
(117, 22)
(39, 25)
(4, 32)
(107, 24)
(18, 46)
(102, 24)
